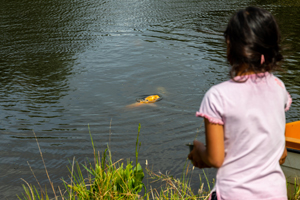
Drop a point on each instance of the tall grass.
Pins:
(174, 188)
(293, 189)
(112, 180)
(106, 179)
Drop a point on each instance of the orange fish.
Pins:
(145, 100)
(149, 99)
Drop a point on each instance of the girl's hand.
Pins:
(284, 155)
(195, 155)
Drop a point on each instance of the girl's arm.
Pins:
(284, 154)
(211, 155)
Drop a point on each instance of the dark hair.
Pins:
(250, 33)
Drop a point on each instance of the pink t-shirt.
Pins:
(253, 115)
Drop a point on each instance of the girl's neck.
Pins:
(243, 71)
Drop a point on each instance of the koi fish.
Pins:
(145, 100)
(149, 99)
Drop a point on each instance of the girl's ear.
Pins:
(262, 59)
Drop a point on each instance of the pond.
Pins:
(69, 64)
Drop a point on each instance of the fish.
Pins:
(146, 100)
(149, 99)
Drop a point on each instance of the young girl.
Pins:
(245, 116)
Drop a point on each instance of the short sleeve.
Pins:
(287, 96)
(288, 101)
(212, 107)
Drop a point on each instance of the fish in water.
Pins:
(149, 99)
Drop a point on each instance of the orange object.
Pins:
(292, 135)
(149, 99)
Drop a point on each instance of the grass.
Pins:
(294, 189)
(174, 188)
(106, 179)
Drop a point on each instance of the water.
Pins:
(67, 64)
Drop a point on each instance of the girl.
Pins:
(245, 116)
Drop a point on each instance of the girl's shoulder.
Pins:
(253, 84)
(251, 80)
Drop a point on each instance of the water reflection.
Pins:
(39, 44)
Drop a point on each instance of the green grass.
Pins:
(106, 179)
(174, 188)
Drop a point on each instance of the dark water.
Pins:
(67, 64)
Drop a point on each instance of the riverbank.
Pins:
(104, 178)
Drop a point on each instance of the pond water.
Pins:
(67, 64)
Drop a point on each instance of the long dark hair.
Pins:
(251, 33)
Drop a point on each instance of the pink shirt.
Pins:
(253, 115)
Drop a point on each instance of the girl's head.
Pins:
(252, 38)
